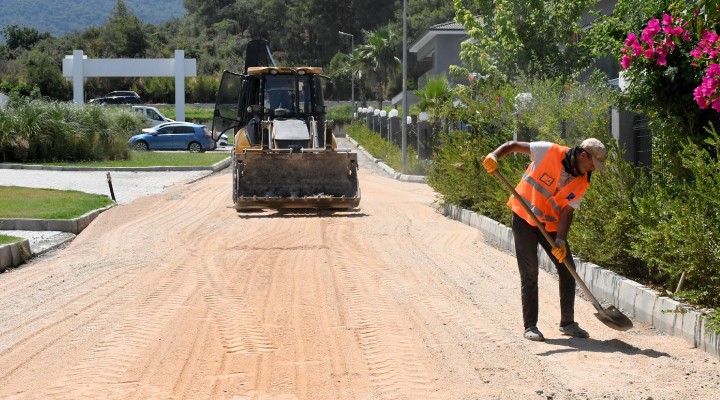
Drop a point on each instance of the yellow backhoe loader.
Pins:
(285, 154)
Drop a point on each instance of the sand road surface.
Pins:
(177, 296)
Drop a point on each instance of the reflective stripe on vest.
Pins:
(539, 183)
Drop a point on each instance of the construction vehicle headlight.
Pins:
(273, 72)
(301, 72)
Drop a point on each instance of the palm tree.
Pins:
(378, 60)
(351, 65)
(434, 96)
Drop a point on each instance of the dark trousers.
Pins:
(527, 238)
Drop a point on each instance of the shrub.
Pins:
(607, 224)
(41, 131)
(679, 227)
(202, 89)
(459, 176)
(341, 114)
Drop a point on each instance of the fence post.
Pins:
(424, 139)
(393, 125)
(412, 134)
(383, 122)
(368, 118)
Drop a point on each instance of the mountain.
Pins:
(62, 16)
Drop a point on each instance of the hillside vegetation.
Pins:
(214, 32)
(59, 17)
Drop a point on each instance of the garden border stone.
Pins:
(14, 254)
(75, 225)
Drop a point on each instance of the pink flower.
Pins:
(652, 28)
(625, 62)
(631, 39)
(649, 53)
(637, 49)
(667, 23)
(700, 98)
(712, 70)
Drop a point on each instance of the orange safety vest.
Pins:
(538, 187)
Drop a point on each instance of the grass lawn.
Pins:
(5, 239)
(192, 113)
(155, 159)
(22, 202)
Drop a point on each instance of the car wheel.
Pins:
(141, 146)
(195, 147)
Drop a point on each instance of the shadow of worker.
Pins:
(598, 346)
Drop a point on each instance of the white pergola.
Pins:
(77, 67)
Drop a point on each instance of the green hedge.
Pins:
(390, 153)
(42, 131)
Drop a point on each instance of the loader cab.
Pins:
(268, 93)
(292, 92)
(280, 96)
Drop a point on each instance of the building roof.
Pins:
(445, 28)
(452, 25)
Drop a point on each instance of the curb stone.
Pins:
(75, 225)
(643, 304)
(14, 254)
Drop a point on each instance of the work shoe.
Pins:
(574, 330)
(533, 333)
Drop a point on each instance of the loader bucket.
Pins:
(311, 180)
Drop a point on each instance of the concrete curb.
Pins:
(388, 169)
(215, 167)
(75, 225)
(14, 254)
(641, 303)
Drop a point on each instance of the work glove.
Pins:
(560, 252)
(490, 163)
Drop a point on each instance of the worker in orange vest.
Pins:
(553, 186)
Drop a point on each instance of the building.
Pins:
(436, 50)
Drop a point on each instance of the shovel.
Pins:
(611, 316)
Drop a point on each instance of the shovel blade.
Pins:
(613, 318)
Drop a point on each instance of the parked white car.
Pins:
(152, 114)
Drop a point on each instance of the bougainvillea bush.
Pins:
(668, 55)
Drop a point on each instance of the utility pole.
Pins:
(404, 86)
(352, 76)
